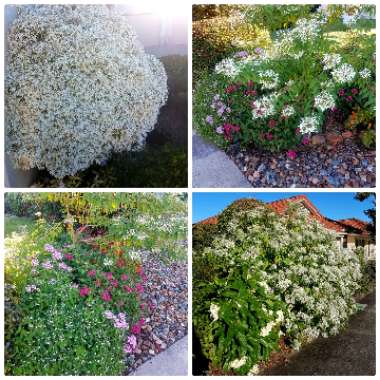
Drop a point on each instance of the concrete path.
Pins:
(172, 362)
(351, 353)
(213, 168)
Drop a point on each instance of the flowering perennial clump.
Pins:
(262, 276)
(78, 86)
(277, 98)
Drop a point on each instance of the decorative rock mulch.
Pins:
(166, 294)
(345, 165)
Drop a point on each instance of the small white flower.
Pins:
(330, 61)
(227, 67)
(214, 311)
(237, 363)
(324, 101)
(108, 262)
(268, 79)
(254, 370)
(365, 73)
(309, 124)
(263, 107)
(288, 111)
(344, 73)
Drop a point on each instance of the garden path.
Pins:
(172, 362)
(213, 168)
(351, 353)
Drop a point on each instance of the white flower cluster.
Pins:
(263, 107)
(268, 79)
(344, 73)
(227, 67)
(306, 30)
(365, 73)
(324, 101)
(309, 124)
(288, 111)
(78, 86)
(330, 61)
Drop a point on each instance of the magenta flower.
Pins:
(106, 296)
(291, 154)
(124, 277)
(128, 289)
(68, 257)
(91, 273)
(84, 292)
(139, 288)
(354, 91)
(136, 329)
(108, 276)
(272, 123)
(269, 136)
(114, 283)
(305, 140)
(341, 92)
(349, 98)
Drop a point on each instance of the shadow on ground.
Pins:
(351, 353)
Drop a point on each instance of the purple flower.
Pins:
(241, 54)
(35, 262)
(131, 344)
(31, 288)
(120, 322)
(65, 267)
(219, 130)
(56, 255)
(49, 248)
(47, 265)
(210, 120)
(108, 314)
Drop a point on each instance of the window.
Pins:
(359, 242)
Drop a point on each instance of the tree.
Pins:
(371, 212)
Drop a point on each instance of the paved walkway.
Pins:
(351, 353)
(171, 362)
(213, 168)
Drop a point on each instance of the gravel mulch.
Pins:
(166, 293)
(346, 165)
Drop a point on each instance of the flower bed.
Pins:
(80, 300)
(264, 276)
(276, 99)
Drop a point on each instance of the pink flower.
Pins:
(84, 292)
(128, 289)
(291, 154)
(349, 98)
(120, 322)
(124, 277)
(269, 136)
(49, 248)
(106, 296)
(305, 140)
(65, 267)
(131, 344)
(56, 255)
(114, 283)
(139, 288)
(108, 276)
(91, 273)
(98, 283)
(136, 329)
(108, 314)
(341, 92)
(229, 129)
(141, 321)
(354, 91)
(272, 123)
(298, 131)
(68, 257)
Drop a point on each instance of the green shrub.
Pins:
(214, 39)
(258, 265)
(276, 99)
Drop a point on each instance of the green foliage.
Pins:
(65, 336)
(219, 37)
(275, 17)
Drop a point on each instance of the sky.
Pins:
(330, 204)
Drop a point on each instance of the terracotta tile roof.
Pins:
(210, 220)
(355, 223)
(281, 206)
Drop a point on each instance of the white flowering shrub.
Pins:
(78, 86)
(276, 98)
(262, 276)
